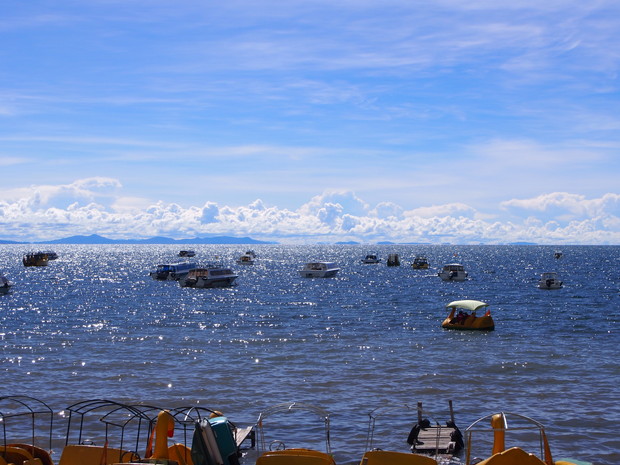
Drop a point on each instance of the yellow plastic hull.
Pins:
(480, 323)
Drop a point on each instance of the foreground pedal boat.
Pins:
(499, 427)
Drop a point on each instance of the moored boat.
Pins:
(393, 260)
(429, 441)
(5, 285)
(550, 281)
(420, 263)
(453, 272)
(278, 451)
(468, 321)
(172, 271)
(522, 429)
(209, 276)
(246, 259)
(319, 270)
(371, 258)
(35, 259)
(51, 255)
(187, 253)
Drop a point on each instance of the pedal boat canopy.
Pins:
(459, 318)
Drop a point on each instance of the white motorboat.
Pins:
(5, 285)
(246, 259)
(453, 272)
(550, 281)
(209, 276)
(319, 270)
(371, 258)
(172, 271)
(51, 255)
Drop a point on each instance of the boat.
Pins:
(558, 254)
(128, 430)
(35, 259)
(172, 271)
(246, 259)
(5, 285)
(51, 255)
(393, 260)
(278, 451)
(27, 427)
(453, 272)
(209, 276)
(319, 270)
(460, 319)
(187, 253)
(550, 281)
(429, 441)
(420, 263)
(251, 253)
(496, 427)
(371, 258)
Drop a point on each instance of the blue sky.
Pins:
(305, 121)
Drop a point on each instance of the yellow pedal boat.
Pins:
(459, 318)
(520, 427)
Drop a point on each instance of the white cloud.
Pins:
(566, 206)
(89, 206)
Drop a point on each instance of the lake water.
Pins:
(93, 324)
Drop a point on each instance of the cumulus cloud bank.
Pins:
(97, 206)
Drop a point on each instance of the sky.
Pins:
(441, 121)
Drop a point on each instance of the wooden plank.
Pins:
(433, 438)
(241, 434)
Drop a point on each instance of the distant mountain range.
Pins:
(96, 239)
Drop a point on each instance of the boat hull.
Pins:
(35, 260)
(482, 326)
(453, 276)
(318, 274)
(294, 457)
(206, 283)
(472, 322)
(415, 266)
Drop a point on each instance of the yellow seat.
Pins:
(512, 456)
(83, 454)
(295, 457)
(37, 452)
(386, 457)
(181, 454)
(15, 454)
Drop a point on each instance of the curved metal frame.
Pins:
(31, 407)
(533, 426)
(289, 407)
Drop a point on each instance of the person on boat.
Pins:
(461, 317)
